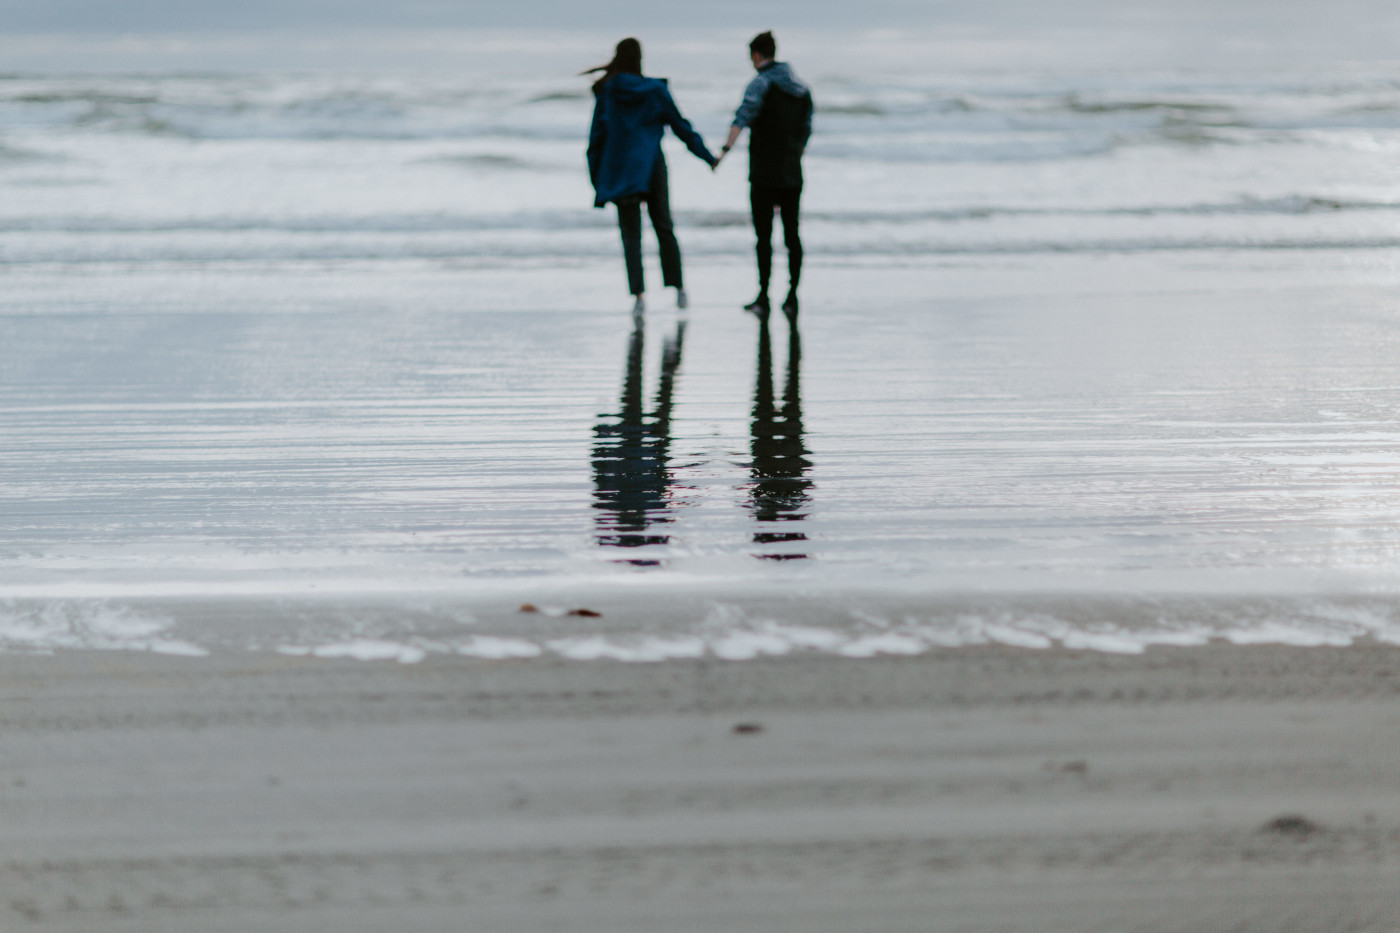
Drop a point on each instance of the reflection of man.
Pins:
(631, 458)
(779, 492)
(777, 110)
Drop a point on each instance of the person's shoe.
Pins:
(682, 300)
(639, 305)
(790, 304)
(758, 306)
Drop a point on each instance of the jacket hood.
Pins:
(785, 80)
(628, 88)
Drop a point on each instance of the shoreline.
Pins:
(988, 788)
(653, 621)
(276, 688)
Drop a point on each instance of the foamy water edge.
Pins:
(731, 632)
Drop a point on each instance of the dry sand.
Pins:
(1204, 789)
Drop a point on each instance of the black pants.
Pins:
(763, 199)
(629, 220)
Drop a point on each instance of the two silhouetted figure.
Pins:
(635, 487)
(631, 113)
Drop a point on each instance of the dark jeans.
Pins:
(763, 199)
(629, 219)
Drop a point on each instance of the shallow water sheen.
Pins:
(879, 458)
(352, 347)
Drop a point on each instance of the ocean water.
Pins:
(338, 362)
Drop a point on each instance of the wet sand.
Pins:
(992, 788)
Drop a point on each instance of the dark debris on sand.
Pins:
(1292, 824)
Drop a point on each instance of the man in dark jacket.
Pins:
(777, 110)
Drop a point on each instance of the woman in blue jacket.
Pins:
(630, 114)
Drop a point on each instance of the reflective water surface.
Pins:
(632, 459)
(341, 361)
(781, 488)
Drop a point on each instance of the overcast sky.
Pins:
(1131, 32)
(48, 16)
(1357, 18)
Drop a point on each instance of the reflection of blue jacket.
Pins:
(630, 114)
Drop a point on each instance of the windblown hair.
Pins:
(627, 59)
(764, 45)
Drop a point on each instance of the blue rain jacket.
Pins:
(630, 114)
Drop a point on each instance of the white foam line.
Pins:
(370, 649)
(889, 643)
(1108, 643)
(726, 633)
(1282, 633)
(488, 646)
(1018, 638)
(648, 649)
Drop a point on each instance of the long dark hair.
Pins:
(626, 60)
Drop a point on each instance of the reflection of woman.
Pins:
(631, 458)
(779, 491)
(630, 114)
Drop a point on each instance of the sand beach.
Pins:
(984, 789)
